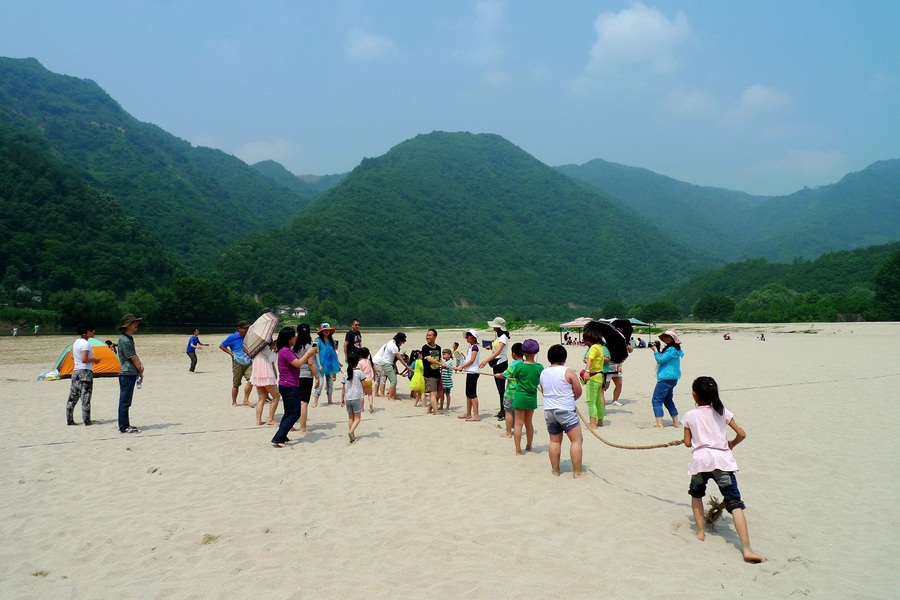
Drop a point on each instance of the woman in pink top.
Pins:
(705, 434)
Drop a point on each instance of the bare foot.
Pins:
(752, 557)
(294, 429)
(700, 535)
(577, 474)
(591, 426)
(271, 423)
(464, 417)
(260, 424)
(278, 445)
(518, 453)
(248, 404)
(527, 448)
(234, 403)
(659, 426)
(473, 419)
(556, 472)
(315, 402)
(675, 423)
(506, 435)
(303, 431)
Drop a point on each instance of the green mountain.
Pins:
(860, 210)
(196, 200)
(455, 220)
(833, 272)
(59, 233)
(705, 218)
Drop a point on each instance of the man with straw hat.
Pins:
(131, 370)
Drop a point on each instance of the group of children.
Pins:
(705, 427)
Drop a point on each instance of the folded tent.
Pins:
(107, 367)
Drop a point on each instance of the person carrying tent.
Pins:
(82, 375)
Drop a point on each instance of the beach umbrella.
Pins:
(625, 326)
(616, 343)
(260, 334)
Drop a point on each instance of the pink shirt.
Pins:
(366, 367)
(709, 441)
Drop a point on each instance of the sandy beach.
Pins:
(200, 505)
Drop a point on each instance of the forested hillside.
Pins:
(706, 218)
(59, 233)
(196, 200)
(456, 220)
(860, 210)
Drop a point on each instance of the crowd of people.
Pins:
(295, 365)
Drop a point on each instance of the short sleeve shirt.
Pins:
(78, 349)
(431, 371)
(126, 351)
(235, 342)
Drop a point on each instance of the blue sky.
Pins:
(765, 97)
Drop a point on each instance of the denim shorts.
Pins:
(727, 483)
(353, 406)
(507, 405)
(560, 420)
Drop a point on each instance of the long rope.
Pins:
(622, 446)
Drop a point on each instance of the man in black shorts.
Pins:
(431, 360)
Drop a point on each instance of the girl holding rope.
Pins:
(711, 458)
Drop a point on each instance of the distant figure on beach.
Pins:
(641, 343)
(417, 382)
(527, 374)
(82, 375)
(511, 385)
(37, 328)
(264, 377)
(668, 372)
(326, 362)
(561, 389)
(352, 394)
(762, 337)
(352, 339)
(131, 370)
(595, 360)
(711, 458)
(446, 378)
(365, 365)
(241, 365)
(15, 332)
(726, 336)
(193, 345)
(458, 356)
(498, 358)
(431, 371)
(309, 375)
(386, 358)
(615, 374)
(470, 368)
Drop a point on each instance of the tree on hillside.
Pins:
(615, 308)
(887, 288)
(714, 307)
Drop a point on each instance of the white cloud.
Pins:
(638, 35)
(690, 103)
(362, 46)
(253, 152)
(759, 98)
(805, 162)
(485, 50)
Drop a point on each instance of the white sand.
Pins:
(200, 505)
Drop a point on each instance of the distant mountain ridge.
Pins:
(461, 219)
(197, 200)
(860, 210)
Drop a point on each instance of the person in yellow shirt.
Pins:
(592, 375)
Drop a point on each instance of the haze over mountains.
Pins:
(441, 220)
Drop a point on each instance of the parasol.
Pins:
(260, 334)
(615, 341)
(625, 326)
